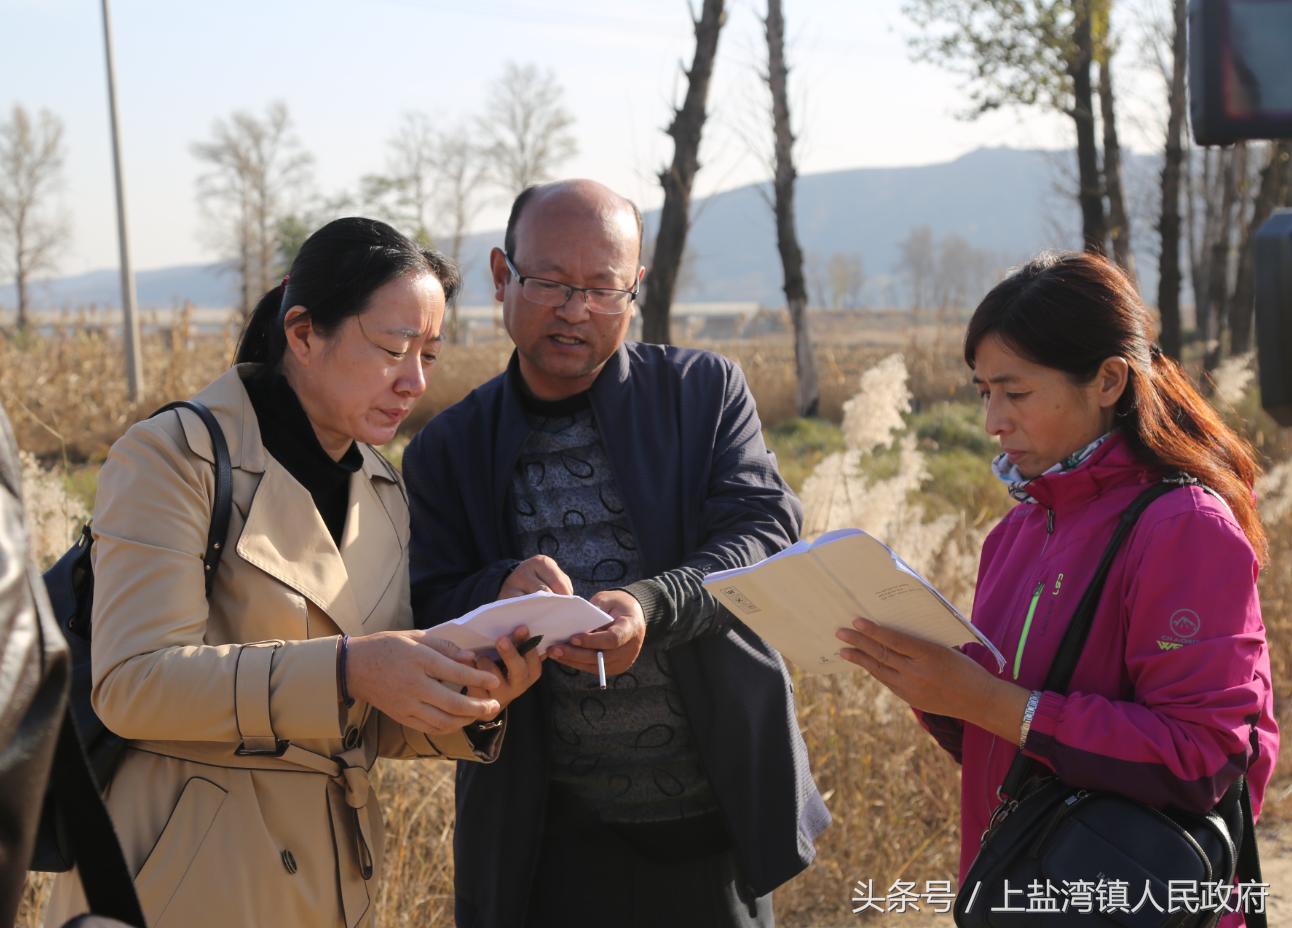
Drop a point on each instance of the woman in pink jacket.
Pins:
(1171, 700)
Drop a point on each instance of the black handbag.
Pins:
(1056, 855)
(70, 583)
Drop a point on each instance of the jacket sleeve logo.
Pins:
(1185, 623)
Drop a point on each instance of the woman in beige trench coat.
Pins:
(254, 717)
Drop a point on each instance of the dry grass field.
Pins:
(900, 453)
(66, 392)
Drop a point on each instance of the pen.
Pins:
(522, 649)
(601, 670)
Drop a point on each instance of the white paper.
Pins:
(557, 618)
(797, 598)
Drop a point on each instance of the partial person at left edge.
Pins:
(34, 728)
(254, 716)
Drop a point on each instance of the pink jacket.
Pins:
(1172, 698)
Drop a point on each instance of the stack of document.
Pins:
(557, 618)
(797, 599)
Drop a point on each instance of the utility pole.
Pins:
(134, 358)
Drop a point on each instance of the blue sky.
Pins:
(347, 70)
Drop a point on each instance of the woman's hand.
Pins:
(520, 671)
(934, 678)
(420, 681)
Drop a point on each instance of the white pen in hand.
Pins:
(601, 670)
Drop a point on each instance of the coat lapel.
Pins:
(303, 556)
(347, 583)
(373, 545)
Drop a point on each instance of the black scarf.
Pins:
(288, 435)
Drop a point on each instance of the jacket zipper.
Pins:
(1036, 596)
(1027, 627)
(1049, 529)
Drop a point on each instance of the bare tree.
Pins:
(846, 279)
(460, 175)
(1221, 254)
(1230, 194)
(459, 178)
(436, 181)
(31, 230)
(1119, 228)
(1271, 192)
(1094, 224)
(957, 273)
(917, 263)
(1168, 282)
(526, 132)
(808, 397)
(677, 180)
(1217, 203)
(256, 168)
(1024, 53)
(1202, 203)
(408, 183)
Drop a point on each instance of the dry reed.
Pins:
(66, 395)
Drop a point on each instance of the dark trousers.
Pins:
(591, 875)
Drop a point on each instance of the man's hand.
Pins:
(539, 572)
(621, 641)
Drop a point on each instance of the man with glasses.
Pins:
(680, 795)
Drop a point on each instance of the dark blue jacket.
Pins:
(702, 492)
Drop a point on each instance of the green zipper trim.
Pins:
(1027, 627)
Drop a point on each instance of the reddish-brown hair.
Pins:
(1072, 310)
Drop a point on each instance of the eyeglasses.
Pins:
(604, 300)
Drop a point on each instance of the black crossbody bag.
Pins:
(73, 794)
(1047, 837)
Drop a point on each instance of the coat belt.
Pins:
(349, 788)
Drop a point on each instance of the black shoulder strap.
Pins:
(1249, 856)
(108, 886)
(1074, 640)
(223, 504)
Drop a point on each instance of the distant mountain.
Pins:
(211, 285)
(1003, 201)
(1007, 202)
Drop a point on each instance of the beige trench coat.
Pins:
(217, 833)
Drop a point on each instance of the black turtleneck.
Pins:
(288, 435)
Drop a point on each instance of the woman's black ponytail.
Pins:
(262, 339)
